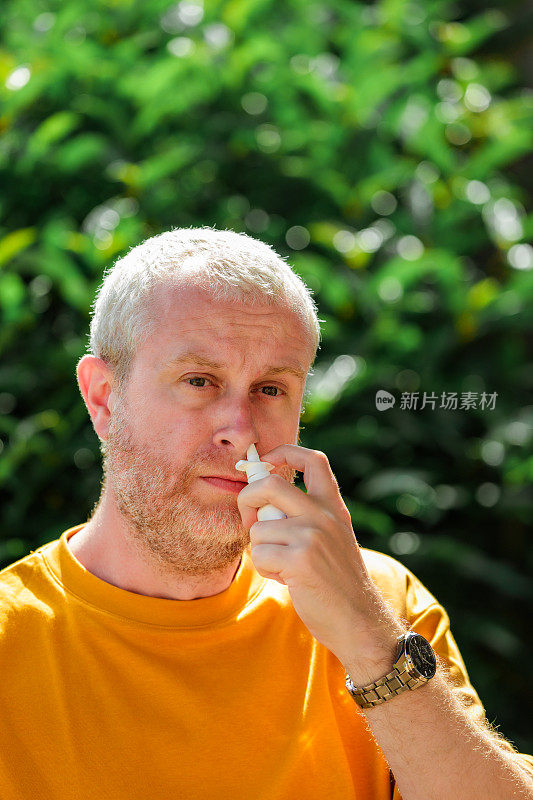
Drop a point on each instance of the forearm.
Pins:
(434, 749)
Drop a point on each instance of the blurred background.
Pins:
(385, 149)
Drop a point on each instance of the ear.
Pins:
(96, 383)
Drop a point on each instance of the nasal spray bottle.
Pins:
(255, 470)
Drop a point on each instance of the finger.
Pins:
(320, 482)
(269, 558)
(273, 490)
(272, 532)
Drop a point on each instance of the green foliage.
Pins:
(371, 144)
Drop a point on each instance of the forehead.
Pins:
(186, 318)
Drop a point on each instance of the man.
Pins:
(174, 646)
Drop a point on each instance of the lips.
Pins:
(226, 478)
(224, 484)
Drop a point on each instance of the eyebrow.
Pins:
(202, 361)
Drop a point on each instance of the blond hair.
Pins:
(232, 266)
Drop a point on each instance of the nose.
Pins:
(236, 429)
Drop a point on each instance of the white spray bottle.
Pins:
(255, 470)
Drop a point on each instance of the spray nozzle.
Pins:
(255, 470)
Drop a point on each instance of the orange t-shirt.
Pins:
(114, 695)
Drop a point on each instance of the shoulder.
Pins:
(21, 590)
(401, 587)
(382, 567)
(389, 575)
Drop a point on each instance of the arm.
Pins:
(435, 748)
(441, 727)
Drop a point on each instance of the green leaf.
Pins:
(15, 242)
(52, 130)
(12, 294)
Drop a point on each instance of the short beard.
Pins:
(167, 525)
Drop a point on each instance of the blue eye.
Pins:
(197, 379)
(272, 387)
(201, 378)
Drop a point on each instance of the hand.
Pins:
(314, 552)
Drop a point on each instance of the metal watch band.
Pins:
(396, 682)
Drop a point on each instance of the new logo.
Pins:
(384, 400)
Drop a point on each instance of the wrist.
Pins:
(372, 662)
(414, 664)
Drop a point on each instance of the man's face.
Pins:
(179, 421)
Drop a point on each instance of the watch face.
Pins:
(422, 655)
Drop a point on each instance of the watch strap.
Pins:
(397, 681)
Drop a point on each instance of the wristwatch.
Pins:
(415, 664)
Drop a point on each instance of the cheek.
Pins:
(179, 439)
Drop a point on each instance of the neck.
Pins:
(106, 548)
